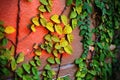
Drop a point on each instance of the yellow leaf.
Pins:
(57, 46)
(67, 29)
(49, 26)
(20, 57)
(74, 23)
(64, 19)
(70, 38)
(38, 52)
(63, 42)
(50, 2)
(43, 21)
(33, 28)
(55, 18)
(9, 30)
(42, 8)
(49, 8)
(47, 37)
(13, 64)
(68, 49)
(79, 9)
(58, 29)
(35, 20)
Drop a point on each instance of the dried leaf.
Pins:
(35, 21)
(33, 28)
(48, 37)
(64, 19)
(58, 29)
(68, 49)
(51, 60)
(9, 30)
(49, 26)
(73, 14)
(13, 64)
(44, 2)
(38, 52)
(67, 29)
(74, 23)
(55, 18)
(42, 8)
(63, 42)
(26, 67)
(70, 38)
(20, 57)
(55, 38)
(43, 21)
(57, 60)
(79, 9)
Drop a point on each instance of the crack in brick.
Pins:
(17, 26)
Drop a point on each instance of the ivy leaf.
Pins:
(64, 19)
(20, 57)
(87, 7)
(47, 37)
(55, 53)
(47, 67)
(33, 28)
(32, 63)
(12, 52)
(58, 29)
(9, 30)
(57, 60)
(57, 46)
(5, 71)
(70, 38)
(63, 42)
(4, 42)
(50, 2)
(35, 71)
(35, 21)
(74, 23)
(26, 67)
(38, 52)
(36, 58)
(20, 72)
(1, 22)
(49, 8)
(42, 8)
(78, 2)
(68, 49)
(43, 21)
(67, 29)
(69, 2)
(49, 49)
(38, 62)
(51, 60)
(44, 2)
(13, 64)
(73, 14)
(79, 9)
(61, 50)
(49, 26)
(55, 38)
(27, 77)
(2, 29)
(1, 35)
(55, 18)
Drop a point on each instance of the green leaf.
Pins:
(44, 2)
(20, 71)
(64, 19)
(36, 58)
(1, 35)
(38, 52)
(35, 71)
(49, 8)
(74, 23)
(49, 26)
(79, 9)
(87, 7)
(55, 18)
(38, 62)
(57, 46)
(32, 63)
(42, 8)
(70, 38)
(4, 42)
(55, 53)
(35, 21)
(48, 37)
(68, 49)
(47, 67)
(27, 77)
(5, 71)
(67, 29)
(55, 38)
(51, 60)
(58, 29)
(49, 49)
(69, 2)
(1, 22)
(26, 67)
(43, 21)
(2, 29)
(20, 57)
(78, 2)
(73, 14)
(57, 60)
(13, 64)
